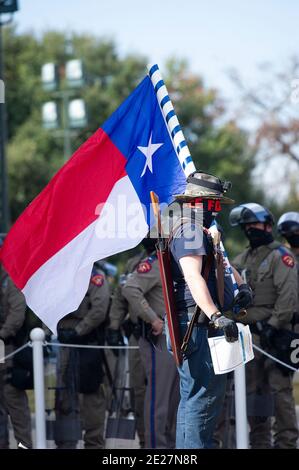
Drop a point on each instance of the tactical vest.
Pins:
(265, 293)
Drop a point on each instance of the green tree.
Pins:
(35, 154)
(23, 57)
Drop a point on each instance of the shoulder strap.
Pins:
(197, 310)
(275, 245)
(219, 270)
(178, 225)
(219, 266)
(176, 228)
(244, 256)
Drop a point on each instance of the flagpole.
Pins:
(184, 156)
(171, 120)
(177, 137)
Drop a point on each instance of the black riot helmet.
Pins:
(288, 224)
(250, 213)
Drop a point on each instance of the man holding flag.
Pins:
(98, 203)
(203, 292)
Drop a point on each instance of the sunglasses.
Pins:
(212, 205)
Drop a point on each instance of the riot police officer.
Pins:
(288, 228)
(270, 270)
(81, 370)
(120, 315)
(13, 398)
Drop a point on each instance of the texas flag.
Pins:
(98, 204)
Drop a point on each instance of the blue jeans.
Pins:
(202, 392)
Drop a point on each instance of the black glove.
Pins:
(267, 336)
(68, 336)
(244, 298)
(114, 338)
(228, 326)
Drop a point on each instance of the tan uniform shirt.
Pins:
(273, 277)
(119, 305)
(13, 307)
(143, 291)
(93, 308)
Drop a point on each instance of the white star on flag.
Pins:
(149, 152)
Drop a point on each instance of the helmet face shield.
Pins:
(235, 216)
(250, 213)
(242, 215)
(288, 228)
(288, 224)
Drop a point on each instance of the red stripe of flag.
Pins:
(61, 211)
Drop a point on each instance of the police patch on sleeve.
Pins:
(144, 267)
(98, 280)
(288, 260)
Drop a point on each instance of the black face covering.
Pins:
(258, 237)
(204, 218)
(208, 218)
(293, 240)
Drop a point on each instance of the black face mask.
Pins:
(208, 219)
(293, 240)
(203, 217)
(258, 237)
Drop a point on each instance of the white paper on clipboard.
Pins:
(228, 356)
